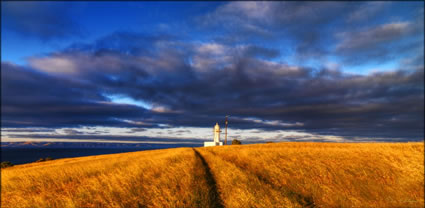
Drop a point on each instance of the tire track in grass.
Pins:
(205, 186)
(305, 201)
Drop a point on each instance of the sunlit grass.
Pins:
(262, 175)
(326, 174)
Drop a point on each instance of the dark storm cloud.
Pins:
(44, 20)
(257, 93)
(31, 98)
(195, 84)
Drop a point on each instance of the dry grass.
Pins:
(161, 178)
(325, 174)
(262, 175)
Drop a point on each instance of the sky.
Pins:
(166, 72)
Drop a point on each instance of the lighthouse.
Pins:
(217, 133)
(216, 142)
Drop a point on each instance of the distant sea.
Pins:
(21, 155)
(27, 155)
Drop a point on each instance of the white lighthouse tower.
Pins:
(216, 137)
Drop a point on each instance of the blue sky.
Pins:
(285, 71)
(94, 20)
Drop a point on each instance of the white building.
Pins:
(216, 141)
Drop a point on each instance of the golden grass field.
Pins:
(260, 175)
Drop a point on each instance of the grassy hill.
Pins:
(261, 175)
